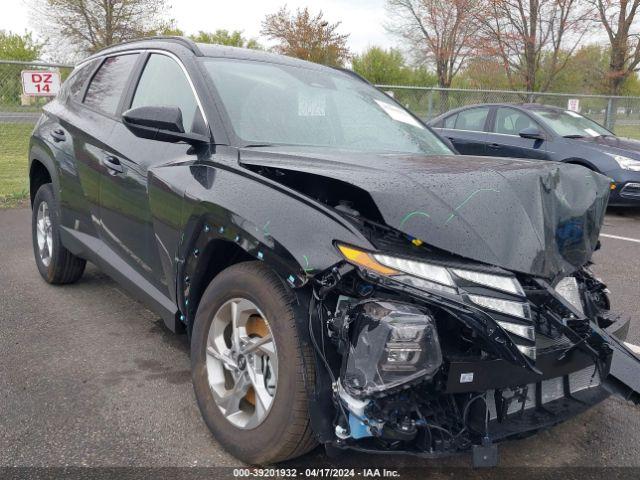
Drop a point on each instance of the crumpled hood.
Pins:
(536, 217)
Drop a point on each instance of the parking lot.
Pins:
(92, 378)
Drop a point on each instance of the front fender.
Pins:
(290, 232)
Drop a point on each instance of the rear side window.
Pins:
(163, 83)
(109, 82)
(473, 119)
(511, 122)
(76, 82)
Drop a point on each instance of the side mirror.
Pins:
(160, 123)
(532, 133)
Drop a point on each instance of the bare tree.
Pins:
(533, 39)
(306, 36)
(89, 25)
(620, 22)
(439, 32)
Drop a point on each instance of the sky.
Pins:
(363, 20)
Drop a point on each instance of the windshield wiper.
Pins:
(573, 136)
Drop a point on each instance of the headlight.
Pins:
(499, 282)
(390, 344)
(429, 277)
(627, 163)
(423, 276)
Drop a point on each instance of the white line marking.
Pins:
(634, 240)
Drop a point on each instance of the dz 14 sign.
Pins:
(40, 83)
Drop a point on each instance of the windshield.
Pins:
(570, 124)
(271, 104)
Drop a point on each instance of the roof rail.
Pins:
(184, 41)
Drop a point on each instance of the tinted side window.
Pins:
(473, 119)
(78, 78)
(109, 82)
(450, 121)
(163, 83)
(511, 122)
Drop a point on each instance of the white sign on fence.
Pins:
(573, 104)
(40, 83)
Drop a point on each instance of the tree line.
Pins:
(585, 46)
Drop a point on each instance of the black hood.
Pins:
(613, 144)
(535, 217)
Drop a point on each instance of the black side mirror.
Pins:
(532, 133)
(160, 123)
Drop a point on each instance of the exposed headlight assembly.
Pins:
(627, 163)
(390, 344)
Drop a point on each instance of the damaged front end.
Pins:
(448, 355)
(468, 313)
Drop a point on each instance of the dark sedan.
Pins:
(546, 133)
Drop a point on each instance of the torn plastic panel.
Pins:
(538, 218)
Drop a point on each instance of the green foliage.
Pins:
(225, 37)
(14, 46)
(14, 141)
(381, 66)
(584, 73)
(484, 74)
(307, 36)
(388, 67)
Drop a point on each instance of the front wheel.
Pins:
(249, 366)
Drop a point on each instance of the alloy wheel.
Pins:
(44, 234)
(242, 363)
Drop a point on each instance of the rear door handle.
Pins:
(58, 135)
(494, 145)
(112, 164)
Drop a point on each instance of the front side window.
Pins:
(570, 124)
(163, 83)
(109, 82)
(450, 122)
(270, 104)
(512, 122)
(473, 119)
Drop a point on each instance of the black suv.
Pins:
(343, 278)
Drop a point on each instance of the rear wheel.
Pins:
(249, 366)
(55, 263)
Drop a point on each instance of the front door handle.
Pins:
(58, 135)
(113, 164)
(494, 145)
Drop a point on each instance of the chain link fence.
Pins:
(18, 114)
(619, 114)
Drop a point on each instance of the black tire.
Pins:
(64, 267)
(286, 431)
